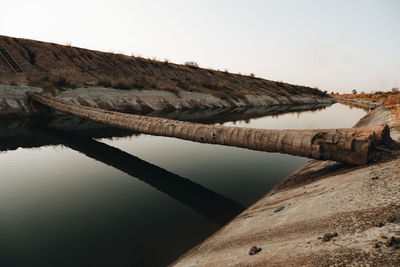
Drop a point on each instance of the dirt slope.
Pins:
(53, 65)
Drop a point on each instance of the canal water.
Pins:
(76, 193)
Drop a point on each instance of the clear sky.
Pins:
(336, 45)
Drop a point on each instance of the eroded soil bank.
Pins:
(323, 214)
(50, 65)
(14, 101)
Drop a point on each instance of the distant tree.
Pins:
(252, 75)
(354, 91)
(395, 90)
(325, 92)
(192, 64)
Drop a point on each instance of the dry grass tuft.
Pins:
(58, 78)
(192, 64)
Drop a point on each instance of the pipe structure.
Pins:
(353, 146)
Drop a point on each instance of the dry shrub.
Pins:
(139, 83)
(127, 83)
(49, 82)
(63, 77)
(122, 84)
(104, 82)
(173, 89)
(216, 85)
(192, 64)
(16, 79)
(43, 81)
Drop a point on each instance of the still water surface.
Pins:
(135, 200)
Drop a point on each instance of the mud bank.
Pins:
(324, 214)
(14, 102)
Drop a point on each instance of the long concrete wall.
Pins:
(14, 102)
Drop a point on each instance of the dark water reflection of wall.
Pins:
(16, 132)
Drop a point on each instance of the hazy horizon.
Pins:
(334, 45)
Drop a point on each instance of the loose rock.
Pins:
(393, 242)
(391, 219)
(254, 250)
(327, 237)
(377, 245)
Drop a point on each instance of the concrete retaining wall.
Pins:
(14, 102)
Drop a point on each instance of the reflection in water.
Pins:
(202, 200)
(356, 105)
(15, 133)
(223, 115)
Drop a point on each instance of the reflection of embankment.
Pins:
(212, 116)
(211, 205)
(21, 133)
(17, 133)
(356, 105)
